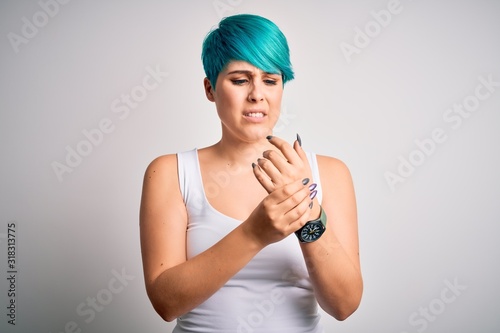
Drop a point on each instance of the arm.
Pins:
(163, 221)
(333, 260)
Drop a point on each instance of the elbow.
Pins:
(343, 310)
(163, 308)
(165, 312)
(343, 314)
(350, 308)
(168, 318)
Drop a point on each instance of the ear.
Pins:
(209, 91)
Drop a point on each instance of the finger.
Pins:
(286, 149)
(297, 146)
(278, 160)
(300, 211)
(299, 215)
(275, 167)
(290, 195)
(263, 178)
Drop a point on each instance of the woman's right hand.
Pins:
(282, 212)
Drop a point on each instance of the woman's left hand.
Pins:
(276, 170)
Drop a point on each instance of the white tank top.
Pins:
(271, 294)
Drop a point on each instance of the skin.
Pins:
(275, 203)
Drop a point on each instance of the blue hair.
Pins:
(249, 38)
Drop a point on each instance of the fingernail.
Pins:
(269, 137)
(311, 204)
(312, 195)
(299, 140)
(312, 186)
(305, 181)
(254, 165)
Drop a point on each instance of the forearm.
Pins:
(181, 288)
(337, 281)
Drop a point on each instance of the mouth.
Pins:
(256, 114)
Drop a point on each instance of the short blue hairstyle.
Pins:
(249, 38)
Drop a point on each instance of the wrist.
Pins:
(253, 238)
(313, 229)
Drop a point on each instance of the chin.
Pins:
(259, 133)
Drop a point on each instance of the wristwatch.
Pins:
(312, 230)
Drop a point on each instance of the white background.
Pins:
(438, 227)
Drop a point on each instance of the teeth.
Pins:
(255, 115)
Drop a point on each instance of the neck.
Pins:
(237, 152)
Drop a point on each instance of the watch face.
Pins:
(311, 231)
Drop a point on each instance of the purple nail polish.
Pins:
(312, 195)
(312, 186)
(311, 204)
(305, 181)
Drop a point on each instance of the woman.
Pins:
(217, 223)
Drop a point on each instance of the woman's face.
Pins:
(248, 100)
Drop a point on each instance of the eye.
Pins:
(239, 82)
(270, 82)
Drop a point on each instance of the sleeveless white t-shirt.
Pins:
(271, 294)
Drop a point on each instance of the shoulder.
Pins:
(161, 191)
(162, 163)
(161, 172)
(335, 175)
(331, 167)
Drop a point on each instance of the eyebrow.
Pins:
(247, 72)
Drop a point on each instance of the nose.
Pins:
(256, 94)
